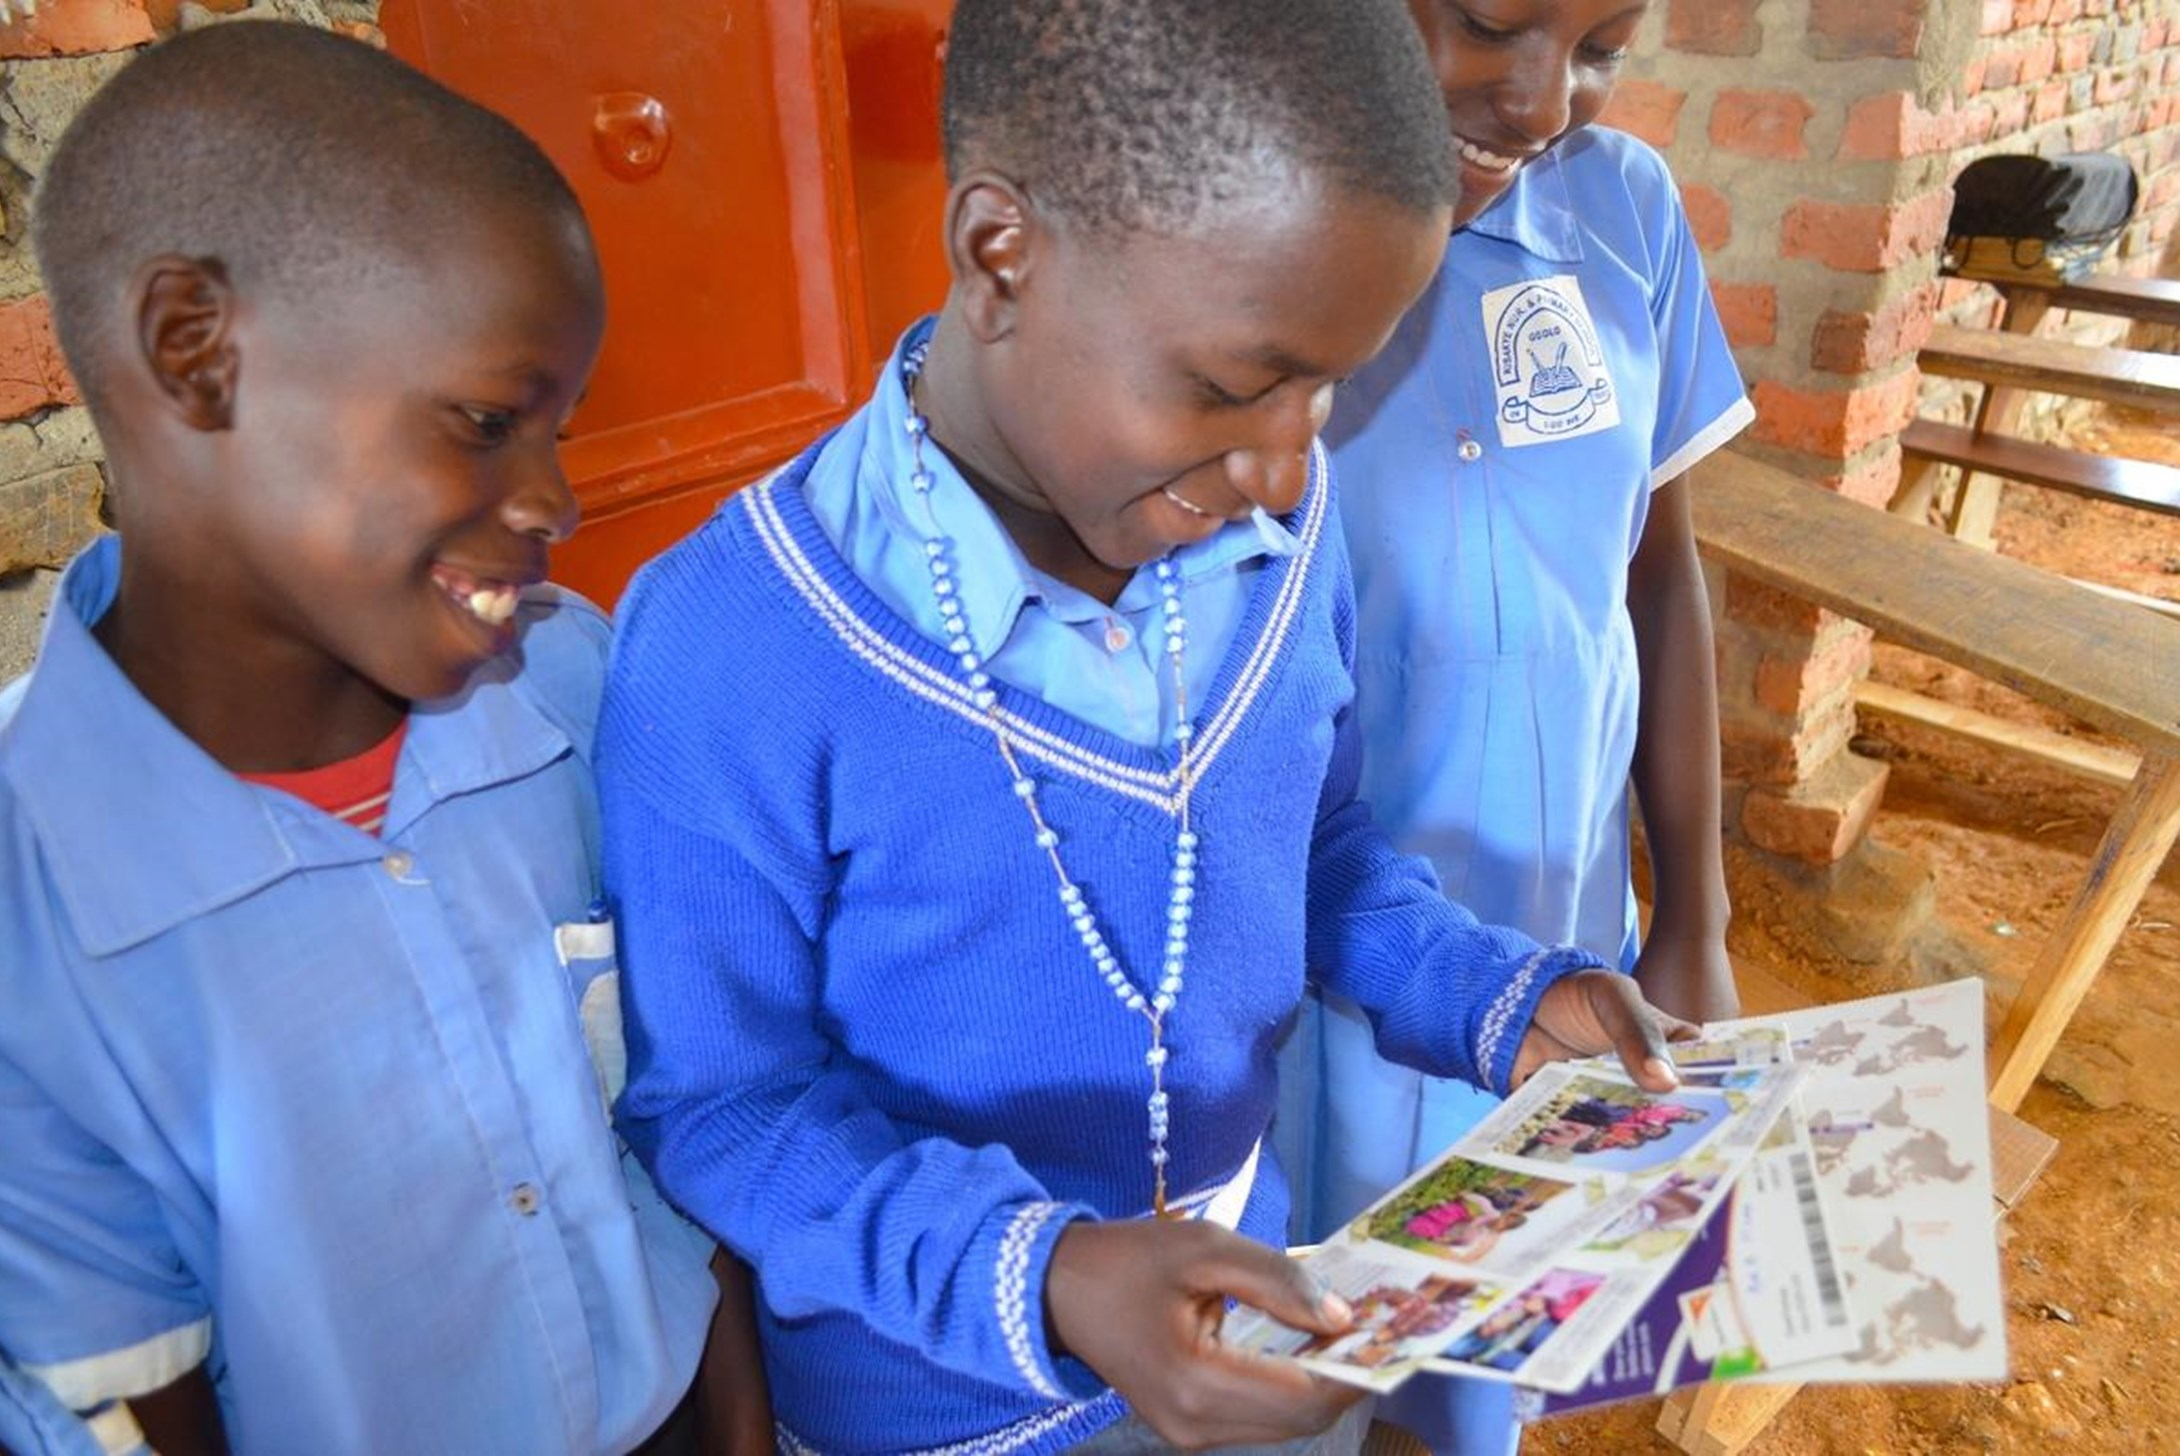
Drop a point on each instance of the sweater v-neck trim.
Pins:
(873, 632)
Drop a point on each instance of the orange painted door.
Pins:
(764, 181)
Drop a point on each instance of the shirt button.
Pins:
(398, 863)
(524, 1199)
(1117, 635)
(1470, 452)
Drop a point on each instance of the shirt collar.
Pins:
(1536, 214)
(998, 580)
(143, 830)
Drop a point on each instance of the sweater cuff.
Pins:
(1027, 1233)
(1507, 1016)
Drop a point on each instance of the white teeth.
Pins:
(1482, 158)
(492, 605)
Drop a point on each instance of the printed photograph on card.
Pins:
(1511, 1335)
(1593, 1125)
(1465, 1211)
(1662, 1218)
(1405, 1309)
(1395, 1323)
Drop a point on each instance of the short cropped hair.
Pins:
(1145, 114)
(298, 159)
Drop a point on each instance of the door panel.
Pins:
(723, 150)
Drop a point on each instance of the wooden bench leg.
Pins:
(1719, 1420)
(1975, 498)
(2134, 846)
(1974, 516)
(1918, 487)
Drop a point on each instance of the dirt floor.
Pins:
(2092, 1257)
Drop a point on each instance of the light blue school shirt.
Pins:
(1103, 665)
(314, 1105)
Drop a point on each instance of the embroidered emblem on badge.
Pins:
(1548, 370)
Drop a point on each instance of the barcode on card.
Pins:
(1820, 1243)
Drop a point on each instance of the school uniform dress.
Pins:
(867, 1046)
(1496, 463)
(315, 1106)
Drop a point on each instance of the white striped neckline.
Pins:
(1157, 787)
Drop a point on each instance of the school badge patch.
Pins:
(1548, 370)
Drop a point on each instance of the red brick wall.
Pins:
(2055, 76)
(1815, 142)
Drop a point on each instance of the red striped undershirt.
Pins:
(355, 790)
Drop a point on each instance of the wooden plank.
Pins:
(2105, 662)
(2090, 760)
(2145, 300)
(2131, 377)
(2135, 844)
(1721, 1420)
(2121, 594)
(2143, 483)
(1974, 513)
(2020, 1152)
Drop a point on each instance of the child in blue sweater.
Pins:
(980, 788)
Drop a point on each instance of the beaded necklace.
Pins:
(938, 551)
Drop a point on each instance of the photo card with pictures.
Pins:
(1858, 1245)
(1519, 1253)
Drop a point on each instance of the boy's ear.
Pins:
(990, 227)
(185, 315)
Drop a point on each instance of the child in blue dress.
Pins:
(980, 788)
(1514, 493)
(302, 1148)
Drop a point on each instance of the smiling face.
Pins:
(390, 479)
(1134, 393)
(1519, 75)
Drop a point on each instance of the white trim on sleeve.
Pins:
(1011, 1295)
(140, 1369)
(1717, 433)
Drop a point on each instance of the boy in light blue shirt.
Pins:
(305, 1151)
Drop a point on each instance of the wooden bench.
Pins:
(2143, 483)
(2132, 377)
(2028, 295)
(2145, 300)
(2011, 363)
(2104, 661)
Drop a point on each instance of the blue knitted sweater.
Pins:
(866, 1047)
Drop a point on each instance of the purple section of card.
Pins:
(1629, 1370)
